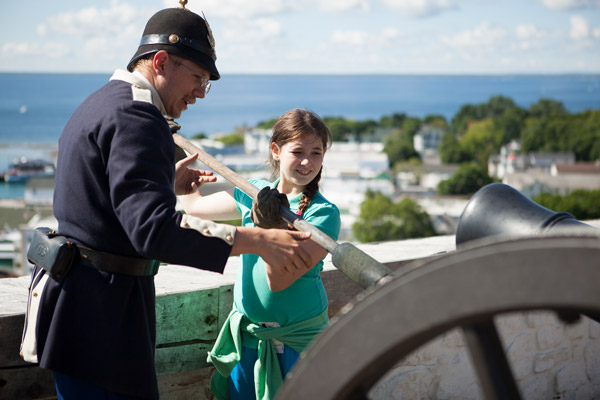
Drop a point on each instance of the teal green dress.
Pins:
(305, 298)
(245, 354)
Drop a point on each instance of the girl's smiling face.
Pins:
(300, 161)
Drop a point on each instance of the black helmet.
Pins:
(180, 32)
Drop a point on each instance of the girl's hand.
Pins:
(265, 209)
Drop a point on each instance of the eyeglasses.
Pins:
(204, 80)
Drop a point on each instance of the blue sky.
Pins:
(316, 36)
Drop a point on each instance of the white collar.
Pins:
(136, 78)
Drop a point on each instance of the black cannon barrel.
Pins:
(499, 209)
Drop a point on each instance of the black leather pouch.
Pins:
(52, 252)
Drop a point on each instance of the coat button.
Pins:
(206, 231)
(229, 238)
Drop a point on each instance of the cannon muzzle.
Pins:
(499, 209)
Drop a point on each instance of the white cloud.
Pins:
(484, 35)
(240, 9)
(373, 41)
(565, 5)
(354, 38)
(56, 50)
(254, 31)
(91, 33)
(580, 29)
(51, 50)
(19, 49)
(91, 21)
(527, 32)
(344, 5)
(101, 48)
(420, 8)
(485, 47)
(389, 34)
(529, 36)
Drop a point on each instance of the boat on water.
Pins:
(24, 169)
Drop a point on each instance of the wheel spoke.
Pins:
(490, 361)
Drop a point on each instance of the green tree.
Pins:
(546, 134)
(339, 127)
(582, 204)
(437, 121)
(392, 121)
(584, 135)
(481, 140)
(399, 147)
(495, 107)
(199, 136)
(269, 124)
(410, 126)
(232, 139)
(508, 124)
(451, 152)
(547, 107)
(576, 133)
(467, 179)
(464, 116)
(364, 128)
(381, 219)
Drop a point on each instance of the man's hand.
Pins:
(189, 180)
(287, 254)
(283, 250)
(280, 278)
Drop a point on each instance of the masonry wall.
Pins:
(549, 360)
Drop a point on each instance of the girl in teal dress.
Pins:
(275, 315)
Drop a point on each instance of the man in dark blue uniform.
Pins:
(114, 197)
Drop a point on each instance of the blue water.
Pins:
(35, 107)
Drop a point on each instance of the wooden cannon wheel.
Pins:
(463, 289)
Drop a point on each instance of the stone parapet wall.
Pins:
(549, 360)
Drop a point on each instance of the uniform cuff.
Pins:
(224, 232)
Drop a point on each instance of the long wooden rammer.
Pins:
(353, 262)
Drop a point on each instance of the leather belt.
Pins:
(117, 264)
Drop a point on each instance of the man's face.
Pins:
(183, 82)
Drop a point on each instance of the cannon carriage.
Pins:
(512, 256)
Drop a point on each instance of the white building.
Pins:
(423, 178)
(562, 179)
(256, 140)
(510, 161)
(428, 139)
